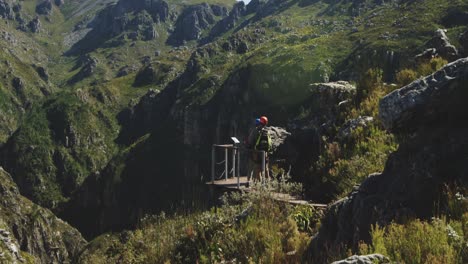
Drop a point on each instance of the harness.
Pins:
(263, 141)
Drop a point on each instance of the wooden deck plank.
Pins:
(231, 184)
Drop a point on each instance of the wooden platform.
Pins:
(231, 184)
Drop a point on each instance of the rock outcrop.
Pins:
(9, 249)
(368, 259)
(158, 9)
(7, 9)
(420, 101)
(229, 22)
(351, 125)
(430, 116)
(332, 96)
(89, 67)
(35, 25)
(191, 23)
(26, 227)
(44, 8)
(444, 48)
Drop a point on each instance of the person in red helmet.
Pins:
(259, 140)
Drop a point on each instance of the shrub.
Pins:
(370, 81)
(247, 228)
(405, 77)
(419, 242)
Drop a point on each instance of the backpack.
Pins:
(263, 141)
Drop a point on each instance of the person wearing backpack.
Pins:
(260, 140)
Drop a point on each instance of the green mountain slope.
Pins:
(137, 91)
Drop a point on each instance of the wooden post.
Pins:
(234, 162)
(213, 163)
(238, 169)
(226, 163)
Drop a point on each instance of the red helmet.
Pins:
(264, 120)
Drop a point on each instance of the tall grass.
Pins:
(247, 228)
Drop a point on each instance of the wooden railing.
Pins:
(233, 153)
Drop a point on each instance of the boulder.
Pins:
(368, 259)
(59, 2)
(417, 102)
(278, 136)
(442, 44)
(334, 93)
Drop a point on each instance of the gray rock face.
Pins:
(37, 230)
(219, 10)
(44, 8)
(89, 65)
(334, 93)
(442, 44)
(230, 21)
(416, 102)
(351, 125)
(236, 44)
(6, 9)
(42, 72)
(278, 136)
(126, 70)
(150, 33)
(432, 114)
(368, 259)
(426, 55)
(158, 9)
(59, 2)
(12, 253)
(192, 22)
(18, 84)
(35, 25)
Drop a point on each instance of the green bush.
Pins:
(405, 77)
(369, 81)
(420, 242)
(248, 228)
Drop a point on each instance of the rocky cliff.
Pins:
(429, 115)
(30, 233)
